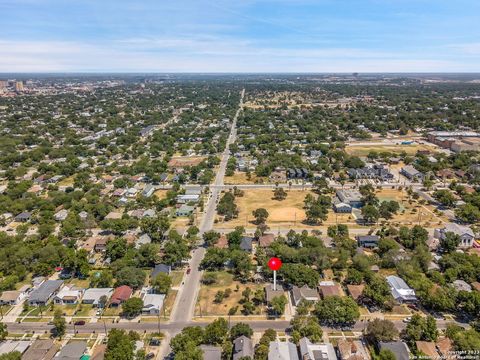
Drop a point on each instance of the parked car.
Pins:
(407, 319)
(188, 271)
(79, 323)
(150, 355)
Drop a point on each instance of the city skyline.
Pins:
(251, 36)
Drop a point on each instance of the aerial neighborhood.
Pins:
(138, 216)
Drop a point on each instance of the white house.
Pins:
(93, 295)
(152, 303)
(68, 295)
(464, 232)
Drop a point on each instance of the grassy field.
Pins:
(364, 150)
(285, 213)
(289, 213)
(177, 277)
(411, 213)
(206, 305)
(240, 178)
(169, 301)
(160, 194)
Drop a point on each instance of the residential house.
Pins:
(211, 352)
(310, 351)
(120, 295)
(41, 350)
(101, 244)
(10, 346)
(427, 348)
(401, 292)
(184, 210)
(242, 348)
(367, 241)
(246, 243)
(61, 215)
(352, 350)
(161, 268)
(13, 297)
(93, 296)
(185, 199)
(68, 296)
(144, 239)
(399, 348)
(279, 350)
(270, 293)
(266, 240)
(45, 292)
(152, 303)
(148, 190)
(411, 173)
(72, 351)
(444, 347)
(23, 217)
(356, 291)
(329, 288)
(464, 232)
(303, 293)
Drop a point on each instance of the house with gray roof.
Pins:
(242, 347)
(74, 350)
(279, 350)
(211, 352)
(464, 232)
(246, 243)
(46, 291)
(93, 295)
(399, 348)
(310, 351)
(411, 173)
(304, 293)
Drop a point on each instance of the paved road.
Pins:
(184, 306)
(175, 327)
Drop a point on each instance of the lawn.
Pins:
(177, 277)
(206, 305)
(168, 304)
(411, 213)
(240, 178)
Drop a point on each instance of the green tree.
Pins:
(3, 331)
(240, 329)
(120, 346)
(59, 324)
(216, 332)
(386, 354)
(278, 304)
(449, 242)
(162, 283)
(381, 330)
(306, 326)
(132, 307)
(370, 214)
(260, 215)
(336, 310)
(131, 276)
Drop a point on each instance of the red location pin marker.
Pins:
(274, 264)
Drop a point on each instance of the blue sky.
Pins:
(240, 36)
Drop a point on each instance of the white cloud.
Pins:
(207, 54)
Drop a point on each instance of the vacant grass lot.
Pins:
(285, 213)
(364, 150)
(225, 281)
